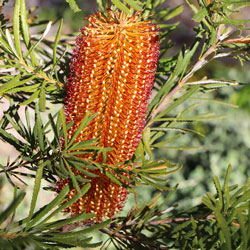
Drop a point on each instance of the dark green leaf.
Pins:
(12, 207)
(42, 98)
(31, 99)
(135, 5)
(224, 227)
(121, 6)
(16, 27)
(36, 189)
(77, 218)
(66, 204)
(178, 102)
(56, 236)
(46, 209)
(25, 30)
(73, 5)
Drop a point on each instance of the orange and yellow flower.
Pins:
(112, 74)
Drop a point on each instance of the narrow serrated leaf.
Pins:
(178, 102)
(219, 192)
(55, 47)
(12, 83)
(112, 177)
(227, 177)
(11, 140)
(192, 118)
(5, 46)
(84, 122)
(146, 142)
(45, 209)
(72, 176)
(244, 233)
(12, 207)
(184, 130)
(36, 189)
(224, 227)
(80, 232)
(73, 5)
(66, 204)
(173, 13)
(64, 127)
(25, 30)
(46, 31)
(135, 5)
(16, 28)
(121, 6)
(154, 184)
(77, 218)
(169, 140)
(10, 41)
(42, 98)
(40, 130)
(31, 99)
(208, 203)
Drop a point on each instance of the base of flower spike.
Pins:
(104, 198)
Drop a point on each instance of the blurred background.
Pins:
(227, 140)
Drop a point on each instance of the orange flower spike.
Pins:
(112, 73)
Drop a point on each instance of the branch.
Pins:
(30, 162)
(131, 238)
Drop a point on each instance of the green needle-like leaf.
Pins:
(134, 4)
(146, 142)
(12, 207)
(64, 127)
(121, 6)
(36, 189)
(16, 27)
(46, 31)
(10, 42)
(219, 192)
(84, 122)
(42, 98)
(66, 204)
(73, 5)
(56, 41)
(56, 236)
(77, 218)
(46, 209)
(224, 227)
(25, 30)
(72, 176)
(31, 99)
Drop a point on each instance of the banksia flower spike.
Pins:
(112, 73)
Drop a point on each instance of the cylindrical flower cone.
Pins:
(112, 73)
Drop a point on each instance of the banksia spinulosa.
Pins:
(112, 74)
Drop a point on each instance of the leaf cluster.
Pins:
(39, 230)
(220, 222)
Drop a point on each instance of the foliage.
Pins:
(33, 75)
(227, 141)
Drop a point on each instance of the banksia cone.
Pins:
(112, 73)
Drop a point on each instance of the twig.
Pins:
(60, 84)
(28, 163)
(130, 238)
(2, 235)
(238, 40)
(175, 220)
